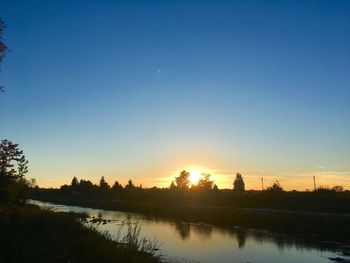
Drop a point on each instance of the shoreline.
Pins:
(300, 224)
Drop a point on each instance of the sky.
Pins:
(144, 89)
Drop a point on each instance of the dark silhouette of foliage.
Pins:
(205, 183)
(13, 167)
(3, 47)
(82, 186)
(338, 188)
(172, 185)
(104, 186)
(183, 180)
(86, 186)
(29, 234)
(326, 191)
(117, 187)
(238, 184)
(75, 183)
(130, 186)
(275, 187)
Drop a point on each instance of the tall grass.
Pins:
(134, 242)
(29, 234)
(130, 240)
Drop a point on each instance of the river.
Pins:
(197, 242)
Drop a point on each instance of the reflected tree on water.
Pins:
(203, 230)
(241, 235)
(183, 229)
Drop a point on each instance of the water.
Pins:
(196, 242)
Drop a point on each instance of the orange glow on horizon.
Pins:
(195, 176)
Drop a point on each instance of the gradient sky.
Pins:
(143, 89)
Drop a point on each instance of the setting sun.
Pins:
(195, 176)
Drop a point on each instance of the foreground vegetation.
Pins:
(29, 234)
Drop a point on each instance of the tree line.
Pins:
(181, 183)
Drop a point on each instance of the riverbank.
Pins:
(325, 226)
(29, 234)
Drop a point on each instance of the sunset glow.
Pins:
(215, 104)
(195, 176)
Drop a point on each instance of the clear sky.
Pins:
(143, 89)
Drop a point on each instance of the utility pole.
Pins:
(262, 184)
(314, 183)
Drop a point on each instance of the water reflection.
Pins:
(241, 236)
(183, 230)
(207, 243)
(203, 231)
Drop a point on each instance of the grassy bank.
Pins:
(29, 234)
(325, 226)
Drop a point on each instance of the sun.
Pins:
(195, 176)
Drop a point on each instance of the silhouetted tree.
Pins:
(275, 187)
(117, 187)
(130, 185)
(3, 47)
(324, 190)
(32, 183)
(238, 184)
(205, 183)
(75, 183)
(172, 185)
(65, 188)
(216, 188)
(183, 180)
(13, 167)
(338, 188)
(104, 186)
(86, 186)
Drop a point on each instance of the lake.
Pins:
(197, 242)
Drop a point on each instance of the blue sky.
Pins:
(142, 89)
